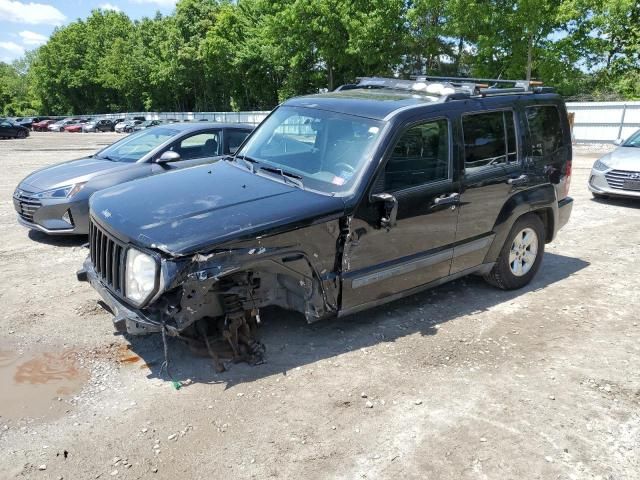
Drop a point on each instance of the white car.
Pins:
(127, 126)
(618, 173)
(59, 126)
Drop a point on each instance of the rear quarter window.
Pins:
(545, 129)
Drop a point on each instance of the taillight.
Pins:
(567, 178)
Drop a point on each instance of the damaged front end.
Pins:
(212, 301)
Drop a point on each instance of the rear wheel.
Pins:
(521, 255)
(21, 134)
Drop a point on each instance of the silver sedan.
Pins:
(55, 199)
(618, 173)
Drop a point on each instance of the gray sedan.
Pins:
(618, 172)
(55, 199)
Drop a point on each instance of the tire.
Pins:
(21, 134)
(515, 266)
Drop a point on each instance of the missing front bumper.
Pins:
(125, 318)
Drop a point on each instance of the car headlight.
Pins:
(140, 276)
(600, 166)
(61, 192)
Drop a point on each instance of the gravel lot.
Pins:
(461, 382)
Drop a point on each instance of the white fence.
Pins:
(604, 122)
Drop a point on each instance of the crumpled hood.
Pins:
(624, 158)
(194, 209)
(68, 173)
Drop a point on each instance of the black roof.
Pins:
(381, 98)
(370, 103)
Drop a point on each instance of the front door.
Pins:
(382, 260)
(196, 149)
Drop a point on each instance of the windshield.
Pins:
(633, 141)
(137, 145)
(327, 150)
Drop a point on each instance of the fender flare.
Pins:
(541, 200)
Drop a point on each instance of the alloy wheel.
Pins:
(524, 251)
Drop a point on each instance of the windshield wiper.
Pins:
(248, 160)
(107, 157)
(292, 177)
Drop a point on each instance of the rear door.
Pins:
(492, 169)
(233, 138)
(381, 262)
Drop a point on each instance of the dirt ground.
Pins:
(461, 382)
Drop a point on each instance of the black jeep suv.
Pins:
(338, 202)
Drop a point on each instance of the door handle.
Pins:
(451, 199)
(521, 180)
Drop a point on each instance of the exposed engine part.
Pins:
(232, 335)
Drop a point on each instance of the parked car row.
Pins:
(335, 203)
(80, 124)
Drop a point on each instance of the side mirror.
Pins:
(168, 156)
(618, 141)
(390, 205)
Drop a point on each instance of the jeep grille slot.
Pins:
(107, 257)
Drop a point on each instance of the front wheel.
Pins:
(21, 134)
(521, 255)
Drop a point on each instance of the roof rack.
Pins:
(454, 88)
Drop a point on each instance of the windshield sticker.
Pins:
(373, 130)
(338, 180)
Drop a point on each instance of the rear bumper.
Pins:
(125, 318)
(565, 206)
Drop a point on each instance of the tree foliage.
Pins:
(251, 54)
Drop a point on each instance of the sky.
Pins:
(25, 25)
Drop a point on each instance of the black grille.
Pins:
(107, 257)
(616, 178)
(26, 205)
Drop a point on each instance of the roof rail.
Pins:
(454, 88)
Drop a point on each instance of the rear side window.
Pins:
(545, 130)
(420, 156)
(489, 139)
(235, 139)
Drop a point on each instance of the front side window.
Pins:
(137, 145)
(545, 130)
(420, 156)
(328, 150)
(201, 145)
(489, 139)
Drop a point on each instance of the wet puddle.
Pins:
(33, 381)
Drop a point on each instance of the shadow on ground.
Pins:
(618, 201)
(58, 240)
(291, 342)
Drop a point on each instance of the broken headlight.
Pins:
(140, 276)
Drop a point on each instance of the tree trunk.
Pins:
(459, 55)
(330, 72)
(529, 57)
